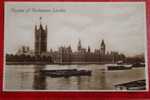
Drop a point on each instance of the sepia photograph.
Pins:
(75, 46)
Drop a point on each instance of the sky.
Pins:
(122, 25)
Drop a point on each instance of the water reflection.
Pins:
(103, 82)
(30, 78)
(83, 82)
(96, 81)
(23, 76)
(39, 81)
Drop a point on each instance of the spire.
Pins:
(40, 20)
(79, 45)
(89, 50)
(41, 27)
(79, 42)
(102, 43)
(103, 48)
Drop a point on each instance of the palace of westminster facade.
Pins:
(65, 54)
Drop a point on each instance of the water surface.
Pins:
(28, 77)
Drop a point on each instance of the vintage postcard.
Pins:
(75, 46)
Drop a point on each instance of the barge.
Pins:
(119, 67)
(66, 73)
(137, 65)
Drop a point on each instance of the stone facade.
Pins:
(40, 39)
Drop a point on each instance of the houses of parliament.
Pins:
(64, 54)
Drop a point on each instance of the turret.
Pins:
(40, 39)
(79, 45)
(103, 47)
(89, 50)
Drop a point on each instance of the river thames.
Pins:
(28, 77)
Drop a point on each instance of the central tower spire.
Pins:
(40, 20)
(40, 39)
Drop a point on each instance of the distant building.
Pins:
(65, 54)
(80, 48)
(25, 50)
(40, 39)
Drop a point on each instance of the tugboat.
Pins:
(66, 73)
(119, 67)
(137, 65)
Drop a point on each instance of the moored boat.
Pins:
(133, 85)
(66, 73)
(136, 65)
(119, 67)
